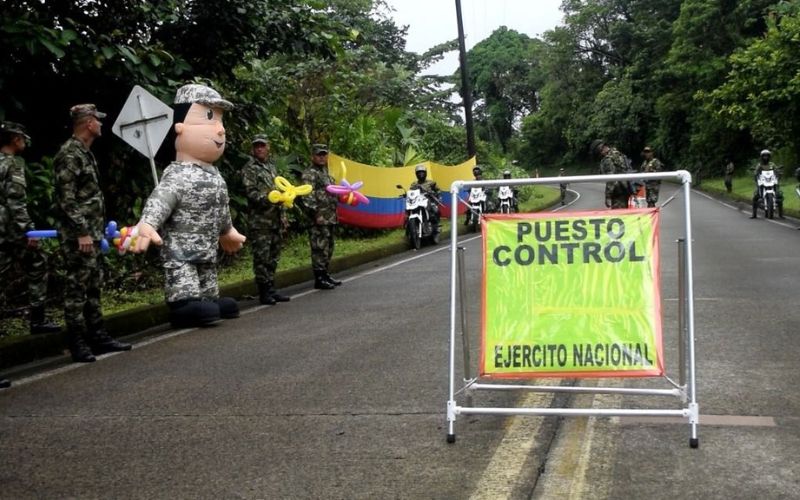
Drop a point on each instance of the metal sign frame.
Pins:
(684, 389)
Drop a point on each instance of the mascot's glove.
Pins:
(147, 234)
(232, 241)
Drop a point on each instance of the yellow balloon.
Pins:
(287, 192)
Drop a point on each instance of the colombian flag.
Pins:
(386, 209)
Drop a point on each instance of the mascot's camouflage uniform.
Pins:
(190, 208)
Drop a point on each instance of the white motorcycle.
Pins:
(418, 220)
(477, 205)
(768, 189)
(505, 196)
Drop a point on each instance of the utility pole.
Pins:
(466, 91)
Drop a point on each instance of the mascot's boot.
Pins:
(277, 297)
(320, 283)
(78, 348)
(100, 342)
(189, 313)
(265, 294)
(39, 324)
(228, 307)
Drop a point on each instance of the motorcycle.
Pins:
(419, 226)
(505, 196)
(477, 206)
(768, 189)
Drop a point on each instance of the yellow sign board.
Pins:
(571, 295)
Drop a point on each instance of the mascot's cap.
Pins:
(196, 93)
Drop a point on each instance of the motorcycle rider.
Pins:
(477, 172)
(765, 163)
(431, 191)
(514, 192)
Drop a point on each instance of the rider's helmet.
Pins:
(765, 152)
(421, 172)
(506, 174)
(476, 171)
(797, 174)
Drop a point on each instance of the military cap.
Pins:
(319, 148)
(196, 93)
(596, 145)
(79, 111)
(260, 139)
(14, 128)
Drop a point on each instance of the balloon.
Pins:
(287, 192)
(42, 233)
(346, 192)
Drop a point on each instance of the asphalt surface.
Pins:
(342, 394)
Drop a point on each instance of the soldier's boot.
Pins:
(78, 348)
(331, 279)
(39, 324)
(189, 313)
(4, 383)
(100, 342)
(320, 283)
(265, 294)
(277, 297)
(228, 307)
(755, 213)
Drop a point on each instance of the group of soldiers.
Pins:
(79, 210)
(612, 161)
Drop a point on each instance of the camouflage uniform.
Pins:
(265, 218)
(652, 187)
(80, 211)
(617, 192)
(14, 223)
(190, 209)
(321, 208)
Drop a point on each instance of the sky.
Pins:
(431, 22)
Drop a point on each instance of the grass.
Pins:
(295, 254)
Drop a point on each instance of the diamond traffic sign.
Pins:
(143, 123)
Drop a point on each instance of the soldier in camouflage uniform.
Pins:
(190, 208)
(267, 220)
(80, 213)
(651, 164)
(321, 208)
(612, 162)
(15, 222)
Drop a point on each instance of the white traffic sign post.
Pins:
(144, 123)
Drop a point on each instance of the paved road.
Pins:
(341, 394)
